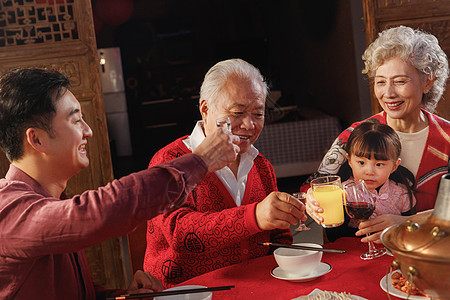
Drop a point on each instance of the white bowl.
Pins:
(296, 261)
(194, 296)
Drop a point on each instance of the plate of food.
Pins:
(396, 285)
(318, 295)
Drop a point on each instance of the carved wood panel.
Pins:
(432, 16)
(60, 34)
(37, 22)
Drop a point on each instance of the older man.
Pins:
(236, 207)
(42, 232)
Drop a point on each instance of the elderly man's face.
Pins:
(244, 103)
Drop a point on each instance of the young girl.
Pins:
(373, 154)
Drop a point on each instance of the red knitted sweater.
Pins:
(209, 231)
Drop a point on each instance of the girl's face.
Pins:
(374, 172)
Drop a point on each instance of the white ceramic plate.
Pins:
(322, 269)
(395, 292)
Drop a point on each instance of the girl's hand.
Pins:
(376, 225)
(313, 208)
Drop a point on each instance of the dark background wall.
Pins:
(309, 50)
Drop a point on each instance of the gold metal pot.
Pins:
(421, 246)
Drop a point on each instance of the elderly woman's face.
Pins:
(399, 88)
(244, 103)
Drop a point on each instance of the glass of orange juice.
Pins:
(327, 191)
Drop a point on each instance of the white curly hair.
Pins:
(416, 47)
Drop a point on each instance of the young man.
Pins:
(42, 233)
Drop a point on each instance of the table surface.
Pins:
(252, 279)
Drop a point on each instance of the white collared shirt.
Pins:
(236, 186)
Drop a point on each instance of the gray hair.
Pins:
(416, 47)
(217, 76)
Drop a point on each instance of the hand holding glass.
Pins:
(360, 205)
(327, 191)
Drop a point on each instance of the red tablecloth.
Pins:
(252, 279)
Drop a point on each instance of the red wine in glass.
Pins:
(360, 205)
(360, 210)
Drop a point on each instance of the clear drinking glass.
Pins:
(301, 198)
(225, 122)
(327, 191)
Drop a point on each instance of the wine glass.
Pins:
(360, 205)
(301, 198)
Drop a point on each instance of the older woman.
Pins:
(409, 71)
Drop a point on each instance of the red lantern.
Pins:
(113, 12)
